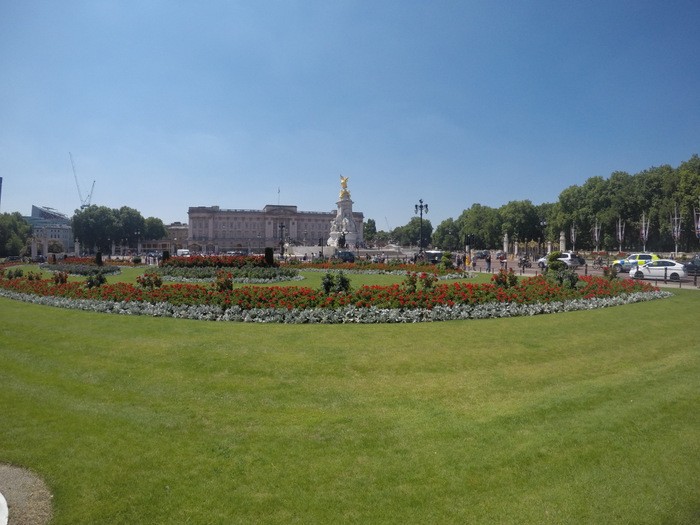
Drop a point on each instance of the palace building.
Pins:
(215, 230)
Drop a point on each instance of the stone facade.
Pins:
(216, 230)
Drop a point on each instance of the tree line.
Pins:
(604, 214)
(96, 227)
(99, 227)
(622, 205)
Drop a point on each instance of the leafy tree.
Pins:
(14, 234)
(131, 226)
(655, 193)
(520, 220)
(382, 238)
(369, 231)
(480, 227)
(410, 234)
(154, 229)
(447, 236)
(96, 227)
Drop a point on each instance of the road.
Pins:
(690, 282)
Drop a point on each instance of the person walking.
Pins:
(488, 261)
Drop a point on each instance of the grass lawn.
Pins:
(584, 417)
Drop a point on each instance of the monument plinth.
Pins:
(344, 230)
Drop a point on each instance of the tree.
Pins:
(480, 227)
(410, 234)
(520, 220)
(447, 236)
(14, 233)
(369, 231)
(382, 238)
(96, 227)
(154, 229)
(131, 226)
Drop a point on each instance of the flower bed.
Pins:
(81, 268)
(396, 303)
(248, 274)
(216, 261)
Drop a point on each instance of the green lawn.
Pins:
(585, 417)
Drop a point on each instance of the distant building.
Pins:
(50, 226)
(212, 229)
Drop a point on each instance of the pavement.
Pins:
(25, 498)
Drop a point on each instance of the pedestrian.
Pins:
(488, 261)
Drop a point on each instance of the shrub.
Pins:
(610, 273)
(563, 277)
(505, 279)
(446, 261)
(269, 256)
(95, 280)
(149, 280)
(60, 277)
(98, 259)
(224, 281)
(136, 260)
(409, 283)
(335, 284)
(427, 280)
(15, 274)
(553, 262)
(166, 256)
(342, 283)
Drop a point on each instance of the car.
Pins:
(348, 257)
(692, 267)
(571, 259)
(635, 259)
(659, 269)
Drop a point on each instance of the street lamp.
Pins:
(420, 208)
(543, 227)
(282, 239)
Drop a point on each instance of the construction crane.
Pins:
(84, 203)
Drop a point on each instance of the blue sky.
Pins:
(172, 104)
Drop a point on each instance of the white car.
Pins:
(659, 269)
(571, 260)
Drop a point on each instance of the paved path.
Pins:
(26, 498)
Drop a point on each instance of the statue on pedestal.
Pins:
(344, 230)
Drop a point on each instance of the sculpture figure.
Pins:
(344, 193)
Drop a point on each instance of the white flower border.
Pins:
(349, 314)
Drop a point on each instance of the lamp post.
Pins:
(543, 227)
(281, 239)
(420, 208)
(596, 234)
